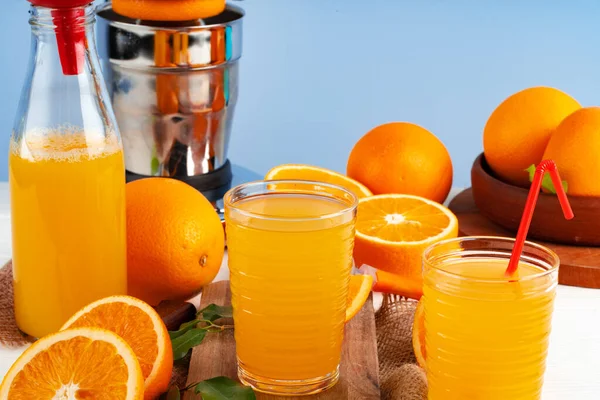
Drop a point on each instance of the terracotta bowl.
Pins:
(503, 203)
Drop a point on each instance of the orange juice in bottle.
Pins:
(67, 175)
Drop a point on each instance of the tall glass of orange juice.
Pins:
(290, 256)
(67, 175)
(486, 335)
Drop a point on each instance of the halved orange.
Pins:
(358, 293)
(418, 335)
(312, 173)
(83, 363)
(142, 328)
(393, 230)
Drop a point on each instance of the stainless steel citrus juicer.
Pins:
(174, 87)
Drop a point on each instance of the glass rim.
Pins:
(228, 203)
(554, 265)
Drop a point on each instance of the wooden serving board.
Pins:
(579, 265)
(359, 371)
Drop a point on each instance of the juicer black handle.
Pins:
(213, 185)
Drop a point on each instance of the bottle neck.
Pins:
(69, 32)
(63, 86)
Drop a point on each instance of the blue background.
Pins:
(318, 74)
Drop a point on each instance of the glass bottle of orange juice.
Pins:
(66, 173)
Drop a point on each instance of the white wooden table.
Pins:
(573, 362)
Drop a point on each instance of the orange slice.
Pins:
(142, 328)
(312, 173)
(84, 363)
(392, 230)
(418, 336)
(358, 293)
(388, 282)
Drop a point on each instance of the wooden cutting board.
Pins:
(359, 370)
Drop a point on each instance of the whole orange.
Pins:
(175, 240)
(400, 157)
(575, 147)
(517, 133)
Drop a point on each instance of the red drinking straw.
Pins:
(543, 167)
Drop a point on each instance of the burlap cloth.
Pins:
(400, 377)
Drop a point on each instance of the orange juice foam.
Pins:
(68, 225)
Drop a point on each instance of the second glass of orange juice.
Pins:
(290, 257)
(486, 335)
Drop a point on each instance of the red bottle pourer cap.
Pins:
(70, 34)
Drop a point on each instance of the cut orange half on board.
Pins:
(83, 363)
(393, 230)
(312, 173)
(358, 293)
(143, 330)
(418, 335)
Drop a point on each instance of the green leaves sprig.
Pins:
(192, 333)
(546, 180)
(219, 388)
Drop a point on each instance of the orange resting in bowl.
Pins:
(168, 10)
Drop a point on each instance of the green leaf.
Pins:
(531, 171)
(183, 328)
(183, 344)
(154, 164)
(546, 180)
(222, 388)
(214, 312)
(173, 393)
